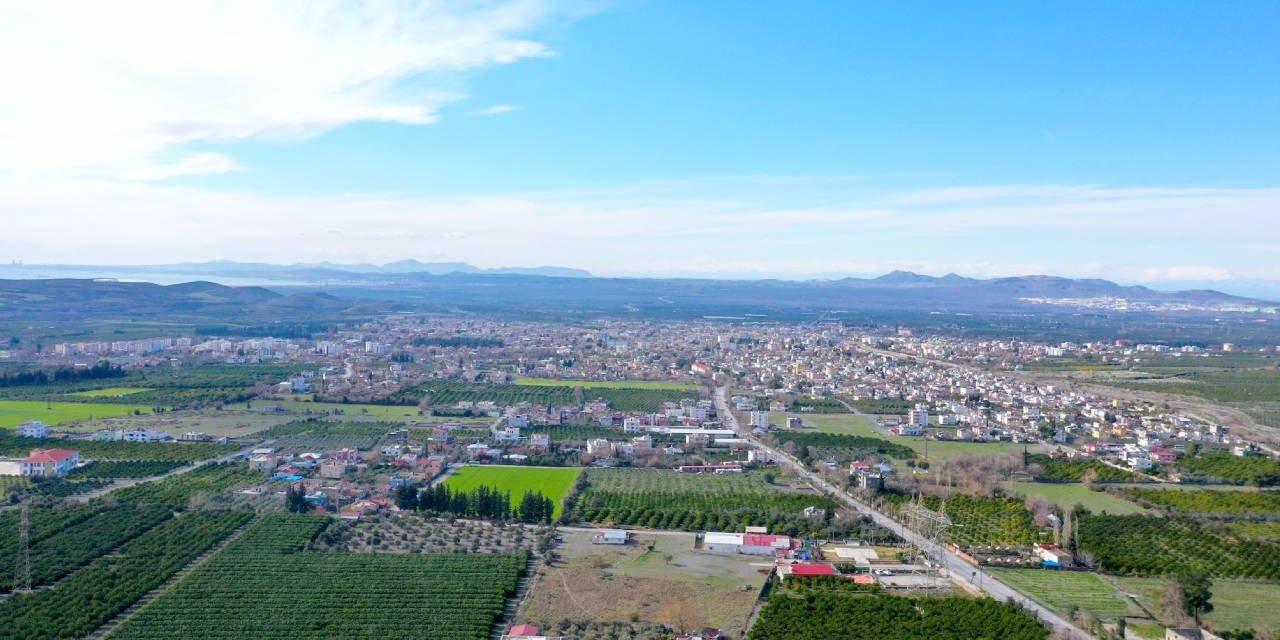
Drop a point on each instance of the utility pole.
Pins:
(22, 570)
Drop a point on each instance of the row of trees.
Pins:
(100, 371)
(481, 502)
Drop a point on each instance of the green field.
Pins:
(110, 392)
(933, 450)
(1059, 590)
(16, 412)
(1065, 495)
(552, 482)
(607, 384)
(1236, 604)
(361, 411)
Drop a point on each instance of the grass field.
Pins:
(110, 392)
(658, 385)
(934, 450)
(552, 482)
(1059, 590)
(1236, 604)
(362, 411)
(15, 412)
(1065, 495)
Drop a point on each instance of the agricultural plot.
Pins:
(658, 385)
(1210, 503)
(1066, 496)
(112, 469)
(408, 532)
(663, 499)
(839, 448)
(882, 617)
(1237, 604)
(630, 398)
(178, 492)
(1240, 385)
(64, 542)
(552, 482)
(87, 599)
(109, 392)
(119, 450)
(1064, 470)
(986, 522)
(349, 411)
(1153, 545)
(265, 585)
(1222, 466)
(16, 412)
(1060, 590)
(666, 581)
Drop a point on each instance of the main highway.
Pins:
(952, 562)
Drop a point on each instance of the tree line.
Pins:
(103, 370)
(482, 502)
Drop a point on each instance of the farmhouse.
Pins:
(45, 463)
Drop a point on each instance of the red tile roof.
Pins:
(524, 630)
(813, 570)
(764, 540)
(44, 456)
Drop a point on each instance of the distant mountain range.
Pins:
(318, 271)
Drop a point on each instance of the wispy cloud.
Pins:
(494, 110)
(116, 89)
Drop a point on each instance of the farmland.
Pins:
(239, 594)
(837, 447)
(87, 599)
(1067, 470)
(667, 581)
(657, 385)
(1223, 466)
(551, 482)
(1152, 545)
(882, 617)
(1210, 502)
(1060, 590)
(1067, 495)
(177, 492)
(983, 521)
(109, 392)
(1237, 604)
(933, 450)
(111, 469)
(119, 450)
(15, 412)
(661, 499)
(65, 539)
(628, 398)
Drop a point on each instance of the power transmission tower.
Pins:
(930, 528)
(22, 572)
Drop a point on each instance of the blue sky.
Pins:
(1137, 141)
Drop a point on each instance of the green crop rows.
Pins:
(882, 617)
(664, 499)
(265, 585)
(62, 543)
(1153, 545)
(87, 599)
(108, 469)
(1209, 502)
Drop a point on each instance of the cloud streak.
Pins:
(116, 89)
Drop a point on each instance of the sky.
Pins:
(1134, 141)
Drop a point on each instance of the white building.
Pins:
(33, 429)
(919, 416)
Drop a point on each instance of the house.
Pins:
(263, 462)
(46, 463)
(1053, 556)
(806, 570)
(33, 429)
(145, 435)
(611, 536)
(333, 468)
(525, 632)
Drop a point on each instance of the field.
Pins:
(883, 617)
(16, 412)
(813, 445)
(621, 398)
(1210, 502)
(63, 540)
(351, 411)
(979, 522)
(608, 384)
(266, 585)
(1154, 545)
(665, 499)
(551, 482)
(933, 450)
(665, 581)
(90, 597)
(1059, 590)
(109, 392)
(1066, 495)
(119, 450)
(1236, 604)
(1239, 385)
(111, 469)
(408, 532)
(1064, 470)
(1220, 465)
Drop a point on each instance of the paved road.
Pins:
(956, 566)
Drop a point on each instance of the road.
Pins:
(953, 563)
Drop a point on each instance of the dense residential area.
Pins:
(730, 472)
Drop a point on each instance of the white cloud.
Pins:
(114, 88)
(494, 110)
